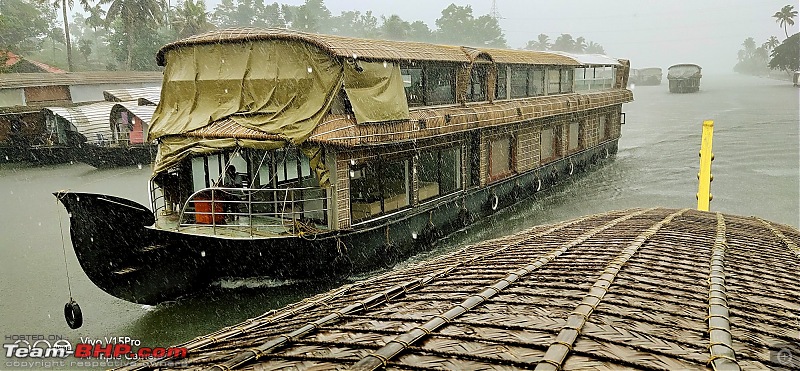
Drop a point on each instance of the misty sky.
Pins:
(649, 33)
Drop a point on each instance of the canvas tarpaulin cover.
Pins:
(376, 92)
(277, 87)
(683, 72)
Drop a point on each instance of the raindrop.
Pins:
(69, 215)
(203, 254)
(414, 235)
(355, 56)
(226, 90)
(91, 239)
(385, 64)
(140, 166)
(6, 158)
(223, 60)
(71, 163)
(77, 198)
(310, 70)
(12, 191)
(111, 264)
(40, 224)
(352, 173)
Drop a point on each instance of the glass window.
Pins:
(395, 183)
(535, 83)
(519, 82)
(601, 128)
(500, 91)
(439, 85)
(412, 82)
(450, 170)
(554, 81)
(428, 173)
(566, 80)
(574, 130)
(500, 157)
(546, 147)
(477, 84)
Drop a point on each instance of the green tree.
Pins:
(785, 18)
(580, 45)
(771, 43)
(96, 17)
(354, 24)
(595, 48)
(395, 28)
(457, 25)
(749, 46)
(64, 4)
(564, 43)
(23, 25)
(190, 18)
(542, 42)
(248, 13)
(786, 56)
(420, 32)
(136, 16)
(85, 46)
(313, 16)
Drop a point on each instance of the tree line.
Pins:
(772, 54)
(125, 34)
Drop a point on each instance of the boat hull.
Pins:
(104, 156)
(123, 254)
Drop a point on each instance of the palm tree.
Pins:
(580, 45)
(785, 17)
(595, 48)
(772, 42)
(749, 46)
(191, 18)
(63, 4)
(542, 43)
(140, 12)
(95, 18)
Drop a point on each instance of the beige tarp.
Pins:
(376, 92)
(275, 86)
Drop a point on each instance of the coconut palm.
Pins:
(63, 4)
(772, 42)
(541, 43)
(580, 45)
(785, 17)
(749, 46)
(191, 18)
(146, 13)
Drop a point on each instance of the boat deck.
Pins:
(241, 226)
(632, 289)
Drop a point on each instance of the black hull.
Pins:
(123, 255)
(39, 155)
(103, 157)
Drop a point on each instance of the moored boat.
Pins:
(650, 76)
(338, 154)
(684, 78)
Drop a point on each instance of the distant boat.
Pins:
(649, 76)
(684, 78)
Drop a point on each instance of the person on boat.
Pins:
(232, 179)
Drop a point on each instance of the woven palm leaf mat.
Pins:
(652, 289)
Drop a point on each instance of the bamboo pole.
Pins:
(704, 196)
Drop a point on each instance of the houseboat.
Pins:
(650, 76)
(102, 134)
(287, 154)
(684, 78)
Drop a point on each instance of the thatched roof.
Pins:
(21, 80)
(655, 289)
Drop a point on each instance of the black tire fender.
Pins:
(73, 314)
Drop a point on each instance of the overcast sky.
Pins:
(649, 33)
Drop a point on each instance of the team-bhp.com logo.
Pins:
(53, 350)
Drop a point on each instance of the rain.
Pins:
(744, 85)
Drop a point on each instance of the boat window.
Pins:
(601, 128)
(566, 80)
(412, 82)
(574, 140)
(439, 85)
(502, 79)
(477, 84)
(378, 187)
(439, 172)
(546, 144)
(500, 157)
(519, 82)
(553, 81)
(535, 82)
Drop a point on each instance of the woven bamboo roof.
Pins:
(342, 130)
(654, 289)
(340, 46)
(22, 80)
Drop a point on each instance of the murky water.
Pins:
(756, 172)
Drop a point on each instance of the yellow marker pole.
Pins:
(706, 156)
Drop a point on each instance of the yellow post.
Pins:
(704, 190)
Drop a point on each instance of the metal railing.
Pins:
(241, 212)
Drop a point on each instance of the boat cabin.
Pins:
(335, 134)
